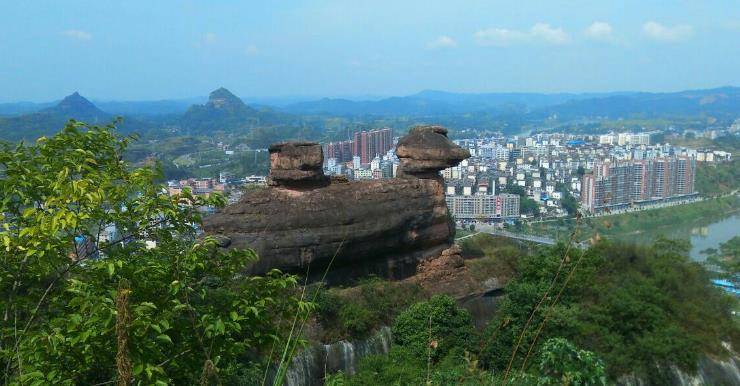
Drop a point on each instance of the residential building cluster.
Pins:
(370, 155)
(600, 171)
(622, 184)
(366, 145)
(198, 186)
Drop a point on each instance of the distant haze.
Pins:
(297, 50)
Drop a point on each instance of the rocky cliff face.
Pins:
(383, 227)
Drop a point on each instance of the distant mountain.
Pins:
(20, 108)
(149, 108)
(721, 102)
(432, 102)
(51, 119)
(224, 111)
(129, 108)
(77, 107)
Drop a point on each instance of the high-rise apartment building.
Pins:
(341, 151)
(619, 184)
(483, 207)
(370, 144)
(366, 145)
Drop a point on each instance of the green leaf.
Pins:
(165, 338)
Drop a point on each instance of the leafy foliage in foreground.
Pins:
(625, 310)
(102, 277)
(434, 327)
(356, 312)
(558, 363)
(634, 307)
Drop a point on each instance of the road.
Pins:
(484, 228)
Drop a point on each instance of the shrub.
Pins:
(357, 312)
(434, 328)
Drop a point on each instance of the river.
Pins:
(703, 233)
(712, 235)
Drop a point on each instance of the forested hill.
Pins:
(224, 111)
(721, 102)
(48, 121)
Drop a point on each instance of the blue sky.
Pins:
(136, 50)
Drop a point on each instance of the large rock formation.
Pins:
(426, 150)
(383, 227)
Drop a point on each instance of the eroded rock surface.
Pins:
(297, 165)
(385, 227)
(446, 274)
(426, 151)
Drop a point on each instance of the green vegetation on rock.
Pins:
(356, 312)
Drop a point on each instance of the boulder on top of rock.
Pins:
(426, 150)
(297, 165)
(350, 228)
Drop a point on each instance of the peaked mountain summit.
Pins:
(78, 107)
(224, 111)
(223, 99)
(49, 120)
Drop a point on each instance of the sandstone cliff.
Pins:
(384, 227)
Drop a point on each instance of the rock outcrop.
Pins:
(297, 165)
(303, 221)
(426, 151)
(446, 274)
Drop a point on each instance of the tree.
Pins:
(433, 328)
(728, 255)
(581, 171)
(528, 206)
(103, 278)
(568, 202)
(651, 307)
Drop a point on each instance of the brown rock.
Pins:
(426, 150)
(383, 227)
(446, 274)
(297, 164)
(377, 226)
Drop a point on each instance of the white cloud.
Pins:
(549, 34)
(77, 34)
(502, 37)
(662, 33)
(441, 42)
(499, 37)
(600, 30)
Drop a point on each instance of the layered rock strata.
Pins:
(304, 221)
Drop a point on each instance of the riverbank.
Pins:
(645, 224)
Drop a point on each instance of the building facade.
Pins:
(623, 183)
(483, 207)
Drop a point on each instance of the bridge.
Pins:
(483, 228)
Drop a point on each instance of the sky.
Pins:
(149, 50)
